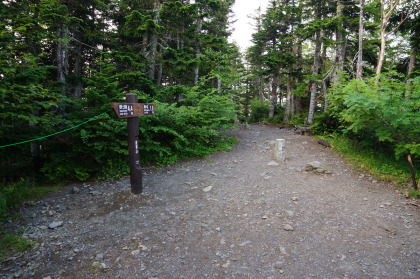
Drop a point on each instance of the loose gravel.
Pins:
(236, 214)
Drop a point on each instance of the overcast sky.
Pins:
(243, 28)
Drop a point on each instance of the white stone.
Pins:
(135, 252)
(207, 189)
(279, 150)
(54, 225)
(288, 227)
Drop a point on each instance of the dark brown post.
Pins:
(133, 149)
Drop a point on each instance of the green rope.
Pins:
(74, 127)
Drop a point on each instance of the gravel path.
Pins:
(231, 215)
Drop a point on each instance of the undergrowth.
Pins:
(12, 244)
(382, 165)
(12, 195)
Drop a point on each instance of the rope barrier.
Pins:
(74, 127)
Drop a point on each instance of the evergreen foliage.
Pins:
(63, 62)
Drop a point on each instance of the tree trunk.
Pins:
(62, 62)
(219, 85)
(381, 56)
(413, 174)
(315, 71)
(153, 42)
(339, 60)
(159, 68)
(78, 68)
(288, 109)
(261, 92)
(273, 101)
(384, 22)
(298, 101)
(197, 51)
(411, 64)
(359, 73)
(324, 81)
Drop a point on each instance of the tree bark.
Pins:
(359, 73)
(197, 51)
(78, 68)
(62, 62)
(324, 81)
(315, 72)
(289, 96)
(411, 64)
(273, 100)
(384, 22)
(153, 42)
(339, 59)
(298, 101)
(413, 174)
(261, 92)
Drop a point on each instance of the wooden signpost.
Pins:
(132, 110)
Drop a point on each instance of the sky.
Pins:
(243, 28)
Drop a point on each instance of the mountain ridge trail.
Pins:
(236, 214)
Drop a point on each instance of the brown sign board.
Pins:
(126, 110)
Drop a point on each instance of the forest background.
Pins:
(347, 68)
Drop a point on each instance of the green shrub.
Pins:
(258, 113)
(384, 111)
(12, 244)
(12, 195)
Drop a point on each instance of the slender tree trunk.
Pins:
(197, 51)
(381, 56)
(288, 107)
(384, 22)
(182, 39)
(144, 45)
(261, 92)
(273, 102)
(298, 101)
(359, 73)
(154, 42)
(78, 68)
(315, 72)
(178, 45)
(339, 44)
(324, 81)
(411, 64)
(219, 85)
(62, 62)
(413, 174)
(159, 68)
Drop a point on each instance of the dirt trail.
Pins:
(230, 215)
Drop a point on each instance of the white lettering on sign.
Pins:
(137, 147)
(148, 109)
(125, 110)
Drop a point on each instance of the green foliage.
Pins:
(257, 113)
(12, 195)
(414, 194)
(12, 244)
(184, 131)
(388, 109)
(379, 163)
(326, 123)
(299, 119)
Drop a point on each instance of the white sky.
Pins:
(243, 28)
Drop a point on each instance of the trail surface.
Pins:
(231, 215)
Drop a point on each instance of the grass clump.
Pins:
(12, 195)
(12, 244)
(414, 194)
(377, 162)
